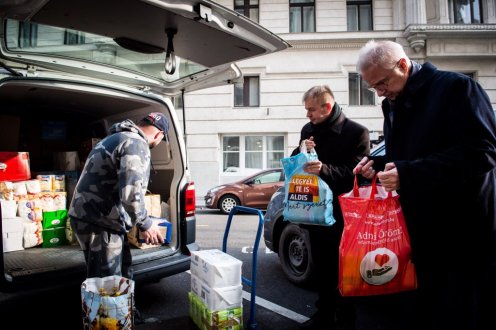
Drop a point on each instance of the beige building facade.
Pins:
(235, 130)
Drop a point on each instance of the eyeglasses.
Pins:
(384, 83)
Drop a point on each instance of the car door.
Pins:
(259, 189)
(165, 47)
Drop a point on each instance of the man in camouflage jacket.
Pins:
(109, 196)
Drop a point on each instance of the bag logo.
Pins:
(379, 266)
(304, 188)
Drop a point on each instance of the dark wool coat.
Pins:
(443, 143)
(340, 145)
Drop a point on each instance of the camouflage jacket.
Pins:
(110, 191)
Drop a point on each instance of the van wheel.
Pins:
(295, 256)
(227, 203)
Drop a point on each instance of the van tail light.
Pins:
(190, 200)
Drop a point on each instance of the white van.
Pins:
(69, 69)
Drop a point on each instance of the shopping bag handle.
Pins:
(373, 191)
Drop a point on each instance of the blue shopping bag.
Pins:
(308, 198)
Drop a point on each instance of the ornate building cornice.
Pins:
(337, 40)
(417, 34)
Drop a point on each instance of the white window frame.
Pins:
(242, 151)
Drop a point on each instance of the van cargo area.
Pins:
(55, 119)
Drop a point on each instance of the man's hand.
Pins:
(364, 167)
(153, 236)
(309, 144)
(313, 167)
(389, 178)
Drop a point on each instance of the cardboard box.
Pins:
(12, 230)
(14, 166)
(152, 205)
(217, 298)
(205, 319)
(216, 268)
(9, 208)
(136, 239)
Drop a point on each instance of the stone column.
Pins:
(443, 11)
(416, 15)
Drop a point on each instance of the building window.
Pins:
(359, 15)
(252, 152)
(28, 34)
(72, 37)
(359, 94)
(247, 94)
(465, 11)
(301, 16)
(249, 8)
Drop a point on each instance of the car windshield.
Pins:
(26, 37)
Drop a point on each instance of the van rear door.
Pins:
(161, 46)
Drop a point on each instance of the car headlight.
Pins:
(213, 190)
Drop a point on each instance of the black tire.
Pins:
(227, 203)
(295, 255)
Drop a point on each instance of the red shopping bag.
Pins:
(375, 252)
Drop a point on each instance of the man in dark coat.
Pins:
(440, 134)
(340, 144)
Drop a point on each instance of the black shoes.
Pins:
(138, 318)
(141, 319)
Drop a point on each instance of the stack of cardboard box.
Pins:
(216, 290)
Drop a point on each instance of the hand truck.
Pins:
(252, 324)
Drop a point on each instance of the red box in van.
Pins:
(14, 166)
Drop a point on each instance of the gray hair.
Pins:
(379, 53)
(318, 92)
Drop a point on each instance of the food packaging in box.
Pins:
(7, 190)
(9, 208)
(69, 234)
(14, 166)
(54, 237)
(53, 219)
(29, 209)
(12, 230)
(31, 235)
(205, 319)
(216, 268)
(53, 201)
(136, 239)
(58, 183)
(217, 298)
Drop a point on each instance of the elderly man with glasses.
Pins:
(440, 135)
